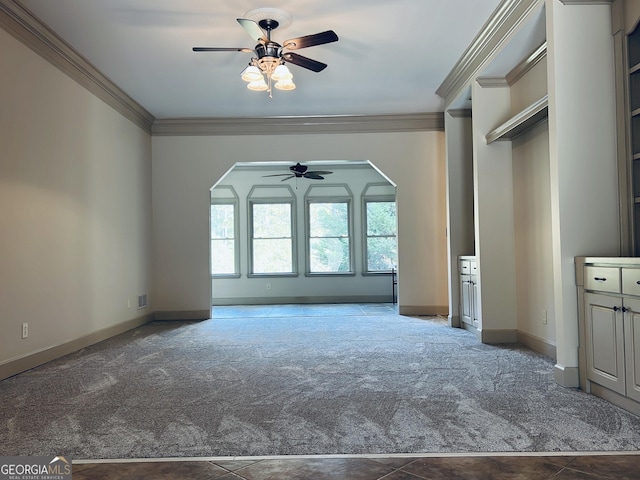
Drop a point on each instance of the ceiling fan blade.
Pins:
(311, 40)
(278, 175)
(253, 29)
(313, 176)
(221, 49)
(320, 172)
(287, 177)
(304, 62)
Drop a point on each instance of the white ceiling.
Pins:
(391, 57)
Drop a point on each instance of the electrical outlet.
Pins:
(544, 317)
(268, 286)
(25, 330)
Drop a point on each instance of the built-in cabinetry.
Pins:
(528, 118)
(468, 268)
(609, 290)
(633, 43)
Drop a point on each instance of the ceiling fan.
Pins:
(301, 171)
(269, 55)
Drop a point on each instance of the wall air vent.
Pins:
(142, 301)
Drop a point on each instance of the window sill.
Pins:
(272, 275)
(330, 274)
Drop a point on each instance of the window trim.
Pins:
(365, 236)
(234, 201)
(294, 256)
(348, 199)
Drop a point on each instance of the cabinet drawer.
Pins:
(631, 281)
(603, 279)
(465, 267)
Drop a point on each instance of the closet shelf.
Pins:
(521, 122)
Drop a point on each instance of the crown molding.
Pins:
(507, 17)
(586, 2)
(527, 64)
(19, 22)
(460, 113)
(28, 29)
(299, 125)
(492, 82)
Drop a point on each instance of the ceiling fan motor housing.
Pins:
(271, 49)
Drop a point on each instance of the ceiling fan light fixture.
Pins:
(281, 73)
(258, 86)
(252, 74)
(285, 84)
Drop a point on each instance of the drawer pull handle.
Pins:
(600, 279)
(615, 309)
(625, 309)
(638, 282)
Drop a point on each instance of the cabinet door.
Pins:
(474, 301)
(604, 332)
(465, 298)
(632, 347)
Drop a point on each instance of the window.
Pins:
(223, 239)
(271, 238)
(329, 237)
(381, 244)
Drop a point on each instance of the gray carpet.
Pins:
(361, 383)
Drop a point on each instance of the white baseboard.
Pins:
(566, 376)
(424, 310)
(21, 364)
(182, 315)
(494, 337)
(537, 344)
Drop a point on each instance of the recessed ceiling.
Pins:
(390, 58)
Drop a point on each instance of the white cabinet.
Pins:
(468, 269)
(604, 333)
(610, 329)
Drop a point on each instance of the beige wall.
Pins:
(534, 248)
(185, 168)
(75, 202)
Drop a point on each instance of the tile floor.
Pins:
(537, 466)
(572, 467)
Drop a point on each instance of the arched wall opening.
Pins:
(186, 167)
(360, 267)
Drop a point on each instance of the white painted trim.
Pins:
(537, 344)
(527, 64)
(424, 310)
(507, 17)
(182, 315)
(586, 2)
(492, 82)
(418, 122)
(460, 113)
(566, 376)
(26, 27)
(498, 336)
